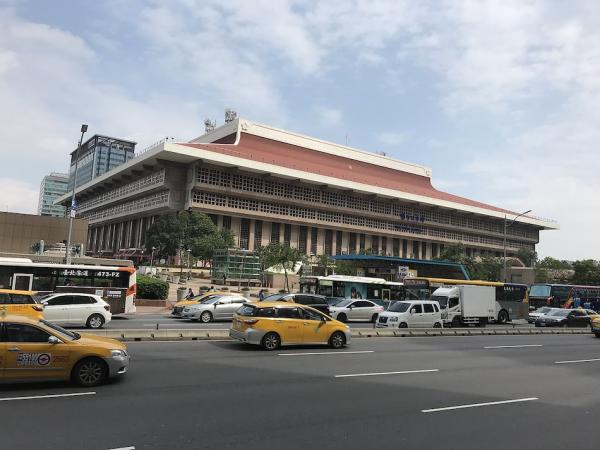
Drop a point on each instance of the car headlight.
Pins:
(118, 353)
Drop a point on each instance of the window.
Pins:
(314, 235)
(21, 299)
(578, 314)
(227, 222)
(265, 312)
(287, 234)
(275, 229)
(453, 302)
(311, 315)
(61, 300)
(428, 307)
(416, 309)
(258, 227)
(288, 313)
(18, 332)
(223, 301)
(83, 300)
(238, 300)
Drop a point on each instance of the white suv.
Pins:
(76, 309)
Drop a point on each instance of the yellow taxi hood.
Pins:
(186, 302)
(101, 341)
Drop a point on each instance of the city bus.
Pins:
(512, 301)
(115, 284)
(342, 286)
(564, 296)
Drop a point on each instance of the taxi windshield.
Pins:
(64, 333)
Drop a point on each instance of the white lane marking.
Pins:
(477, 405)
(402, 372)
(122, 448)
(326, 353)
(514, 346)
(577, 361)
(34, 397)
(180, 341)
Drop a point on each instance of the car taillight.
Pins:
(107, 307)
(38, 307)
(250, 321)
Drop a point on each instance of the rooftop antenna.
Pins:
(209, 125)
(230, 115)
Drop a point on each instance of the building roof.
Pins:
(282, 154)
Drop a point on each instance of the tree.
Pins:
(453, 253)
(172, 232)
(528, 256)
(324, 262)
(279, 255)
(345, 268)
(486, 268)
(552, 263)
(587, 272)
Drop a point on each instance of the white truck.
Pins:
(466, 304)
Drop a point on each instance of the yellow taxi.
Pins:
(178, 307)
(20, 302)
(273, 324)
(596, 326)
(36, 350)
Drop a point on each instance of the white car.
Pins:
(220, 307)
(535, 315)
(355, 310)
(411, 314)
(76, 309)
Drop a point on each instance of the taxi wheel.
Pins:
(95, 321)
(271, 341)
(206, 317)
(337, 340)
(342, 318)
(403, 325)
(90, 372)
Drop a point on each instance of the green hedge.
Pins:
(152, 288)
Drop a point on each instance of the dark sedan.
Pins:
(564, 318)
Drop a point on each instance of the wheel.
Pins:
(374, 318)
(337, 340)
(95, 321)
(503, 317)
(89, 372)
(271, 341)
(437, 325)
(402, 325)
(206, 317)
(342, 317)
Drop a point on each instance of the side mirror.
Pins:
(53, 340)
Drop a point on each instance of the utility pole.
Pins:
(505, 227)
(84, 128)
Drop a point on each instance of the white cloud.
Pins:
(329, 117)
(17, 196)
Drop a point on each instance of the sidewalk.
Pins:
(152, 310)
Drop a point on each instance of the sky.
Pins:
(499, 98)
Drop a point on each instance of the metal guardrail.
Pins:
(359, 333)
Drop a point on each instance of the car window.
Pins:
(428, 307)
(311, 315)
(577, 313)
(264, 312)
(61, 300)
(21, 299)
(224, 300)
(248, 310)
(83, 300)
(19, 332)
(288, 313)
(5, 299)
(590, 312)
(238, 300)
(453, 302)
(417, 309)
(362, 304)
(436, 307)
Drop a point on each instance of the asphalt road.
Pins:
(224, 395)
(167, 322)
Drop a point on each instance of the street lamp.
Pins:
(505, 227)
(188, 262)
(84, 128)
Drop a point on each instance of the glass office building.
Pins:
(98, 155)
(52, 186)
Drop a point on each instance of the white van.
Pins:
(411, 314)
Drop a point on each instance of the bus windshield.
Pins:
(539, 290)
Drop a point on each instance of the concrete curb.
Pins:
(359, 333)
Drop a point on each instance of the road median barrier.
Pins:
(187, 334)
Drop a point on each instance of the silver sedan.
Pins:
(355, 310)
(217, 308)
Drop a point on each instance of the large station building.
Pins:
(270, 185)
